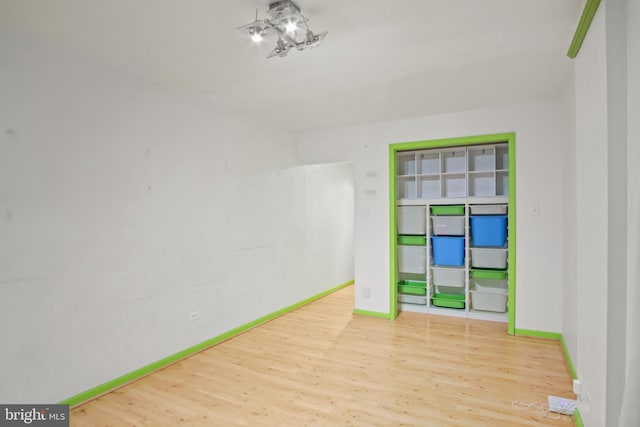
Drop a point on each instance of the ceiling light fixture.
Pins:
(256, 34)
(288, 24)
(291, 27)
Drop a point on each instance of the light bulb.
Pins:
(291, 27)
(256, 34)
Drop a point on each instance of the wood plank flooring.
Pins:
(323, 366)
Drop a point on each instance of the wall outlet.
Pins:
(562, 405)
(577, 387)
(194, 315)
(366, 292)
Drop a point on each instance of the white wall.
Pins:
(592, 222)
(125, 205)
(570, 249)
(630, 415)
(607, 212)
(616, 34)
(539, 128)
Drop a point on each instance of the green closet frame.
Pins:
(510, 139)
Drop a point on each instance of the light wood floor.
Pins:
(323, 366)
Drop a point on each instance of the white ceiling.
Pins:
(382, 59)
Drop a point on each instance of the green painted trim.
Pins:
(372, 313)
(393, 279)
(577, 419)
(510, 139)
(567, 358)
(152, 367)
(511, 219)
(539, 334)
(450, 142)
(589, 11)
(554, 336)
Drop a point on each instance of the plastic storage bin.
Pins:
(412, 240)
(412, 299)
(489, 257)
(453, 277)
(447, 210)
(448, 300)
(412, 287)
(488, 274)
(488, 209)
(448, 225)
(451, 290)
(412, 220)
(489, 285)
(491, 300)
(490, 230)
(412, 259)
(448, 250)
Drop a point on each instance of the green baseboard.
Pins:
(567, 358)
(146, 370)
(539, 334)
(553, 336)
(577, 419)
(371, 313)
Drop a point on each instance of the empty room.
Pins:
(319, 213)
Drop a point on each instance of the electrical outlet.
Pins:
(562, 405)
(194, 315)
(366, 292)
(577, 387)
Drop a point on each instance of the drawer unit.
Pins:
(448, 251)
(412, 259)
(489, 230)
(448, 300)
(412, 220)
(448, 225)
(448, 276)
(492, 300)
(489, 258)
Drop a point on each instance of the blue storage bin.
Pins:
(448, 250)
(489, 230)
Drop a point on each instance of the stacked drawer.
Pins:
(448, 243)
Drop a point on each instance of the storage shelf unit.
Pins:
(475, 179)
(481, 171)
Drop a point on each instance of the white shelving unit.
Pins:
(460, 172)
(462, 176)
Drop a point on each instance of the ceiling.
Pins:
(382, 60)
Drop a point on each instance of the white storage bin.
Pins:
(412, 299)
(453, 277)
(488, 209)
(448, 225)
(451, 290)
(490, 285)
(412, 259)
(489, 257)
(489, 301)
(412, 220)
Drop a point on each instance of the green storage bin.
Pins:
(412, 240)
(447, 210)
(489, 274)
(412, 287)
(412, 290)
(448, 300)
